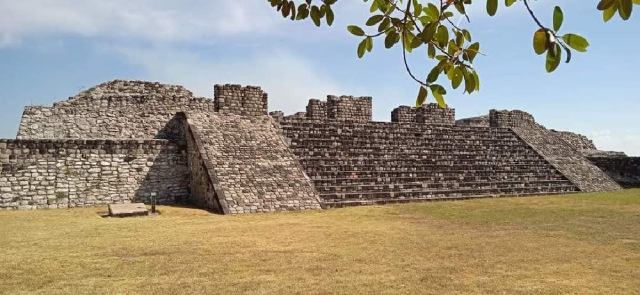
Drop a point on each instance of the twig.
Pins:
(533, 15)
(404, 51)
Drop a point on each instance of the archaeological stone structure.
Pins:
(131, 141)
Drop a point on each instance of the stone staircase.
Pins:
(379, 162)
(248, 165)
(570, 162)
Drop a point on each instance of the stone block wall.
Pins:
(480, 121)
(240, 100)
(430, 113)
(433, 114)
(317, 109)
(117, 109)
(349, 108)
(624, 170)
(74, 173)
(578, 142)
(514, 118)
(403, 114)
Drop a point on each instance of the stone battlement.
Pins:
(430, 113)
(240, 100)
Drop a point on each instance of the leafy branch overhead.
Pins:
(413, 24)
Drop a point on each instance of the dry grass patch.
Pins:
(587, 244)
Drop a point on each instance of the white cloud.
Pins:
(628, 141)
(150, 20)
(289, 79)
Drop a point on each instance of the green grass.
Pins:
(582, 243)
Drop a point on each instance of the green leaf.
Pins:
(475, 76)
(636, 2)
(467, 35)
(374, 6)
(374, 20)
(576, 42)
(384, 25)
(540, 41)
(604, 4)
(433, 74)
(553, 58)
(438, 92)
(457, 78)
(355, 30)
(609, 13)
(492, 7)
(442, 35)
(391, 39)
(422, 96)
(509, 2)
(558, 17)
(315, 15)
(362, 47)
(432, 12)
(469, 81)
(625, 8)
(330, 16)
(431, 51)
(472, 51)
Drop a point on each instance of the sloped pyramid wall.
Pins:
(560, 153)
(241, 164)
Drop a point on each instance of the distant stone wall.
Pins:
(74, 173)
(317, 109)
(481, 121)
(624, 170)
(576, 141)
(117, 109)
(349, 108)
(435, 115)
(240, 100)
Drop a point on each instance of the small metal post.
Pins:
(153, 203)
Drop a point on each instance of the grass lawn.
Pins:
(584, 244)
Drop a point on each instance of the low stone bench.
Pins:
(128, 210)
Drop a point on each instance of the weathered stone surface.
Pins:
(117, 109)
(245, 166)
(128, 210)
(61, 173)
(480, 121)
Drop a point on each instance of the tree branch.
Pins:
(404, 51)
(526, 3)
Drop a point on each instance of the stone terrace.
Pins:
(364, 163)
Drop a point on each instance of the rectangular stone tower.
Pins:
(349, 108)
(239, 100)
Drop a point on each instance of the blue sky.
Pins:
(50, 50)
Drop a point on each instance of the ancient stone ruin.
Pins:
(124, 141)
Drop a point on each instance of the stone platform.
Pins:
(128, 210)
